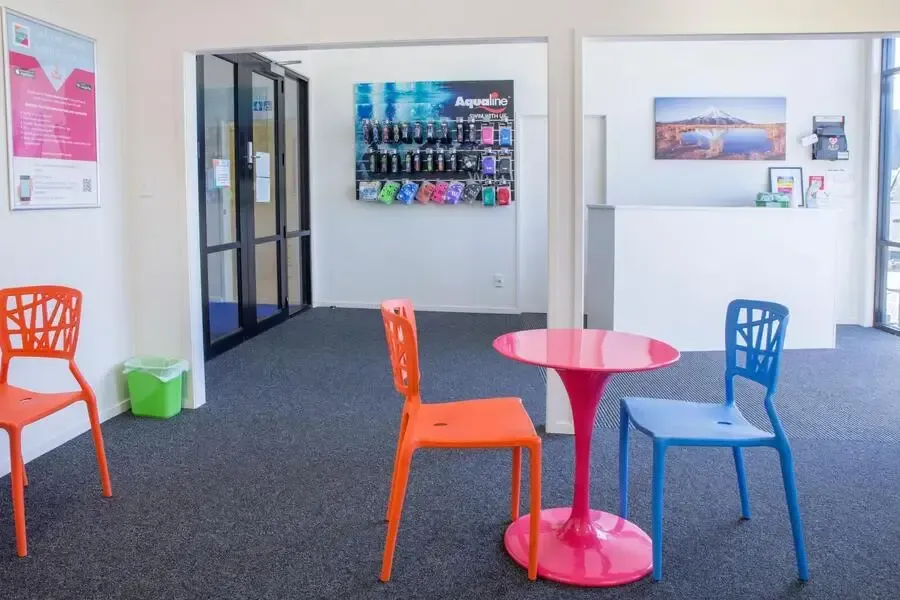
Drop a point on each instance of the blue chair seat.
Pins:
(694, 423)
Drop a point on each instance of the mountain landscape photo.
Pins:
(720, 128)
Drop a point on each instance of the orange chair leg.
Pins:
(24, 473)
(404, 420)
(395, 510)
(535, 488)
(94, 416)
(516, 482)
(18, 490)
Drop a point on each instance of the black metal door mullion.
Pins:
(244, 174)
(281, 195)
(303, 153)
(304, 192)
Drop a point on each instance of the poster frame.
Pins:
(412, 102)
(14, 204)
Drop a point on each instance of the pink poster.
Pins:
(52, 115)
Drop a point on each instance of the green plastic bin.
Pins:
(154, 386)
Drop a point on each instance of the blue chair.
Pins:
(754, 338)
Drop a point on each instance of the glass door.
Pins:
(263, 161)
(887, 303)
(222, 252)
(253, 197)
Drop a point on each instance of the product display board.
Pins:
(51, 104)
(442, 142)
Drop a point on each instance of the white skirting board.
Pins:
(497, 310)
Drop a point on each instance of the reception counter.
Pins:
(669, 272)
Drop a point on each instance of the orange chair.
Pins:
(40, 322)
(489, 423)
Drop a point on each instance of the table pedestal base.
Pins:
(601, 552)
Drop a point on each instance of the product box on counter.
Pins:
(773, 200)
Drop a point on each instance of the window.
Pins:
(887, 310)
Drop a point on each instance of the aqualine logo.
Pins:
(493, 103)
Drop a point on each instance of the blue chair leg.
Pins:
(742, 481)
(790, 493)
(659, 473)
(623, 462)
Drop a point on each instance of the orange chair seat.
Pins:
(19, 407)
(483, 423)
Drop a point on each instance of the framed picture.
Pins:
(788, 180)
(51, 115)
(741, 128)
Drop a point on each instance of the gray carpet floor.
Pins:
(276, 488)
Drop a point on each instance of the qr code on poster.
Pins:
(87, 185)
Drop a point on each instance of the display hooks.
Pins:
(441, 142)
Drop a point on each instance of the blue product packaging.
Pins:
(489, 164)
(455, 192)
(407, 192)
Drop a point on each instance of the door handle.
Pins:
(250, 154)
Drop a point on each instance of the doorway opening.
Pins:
(253, 161)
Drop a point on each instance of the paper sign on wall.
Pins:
(263, 164)
(839, 183)
(262, 190)
(221, 172)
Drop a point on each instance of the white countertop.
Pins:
(703, 208)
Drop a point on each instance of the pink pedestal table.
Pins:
(578, 545)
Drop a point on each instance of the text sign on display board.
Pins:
(51, 113)
(438, 142)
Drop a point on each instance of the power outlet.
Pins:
(498, 280)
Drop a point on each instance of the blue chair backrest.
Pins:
(754, 339)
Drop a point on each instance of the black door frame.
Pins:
(304, 230)
(245, 65)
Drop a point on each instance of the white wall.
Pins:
(818, 77)
(163, 189)
(442, 257)
(678, 291)
(86, 249)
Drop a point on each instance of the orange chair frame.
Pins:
(509, 427)
(40, 322)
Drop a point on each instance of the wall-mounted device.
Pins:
(832, 139)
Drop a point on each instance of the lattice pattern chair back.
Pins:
(754, 339)
(39, 321)
(400, 331)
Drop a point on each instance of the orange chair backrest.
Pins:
(39, 321)
(400, 331)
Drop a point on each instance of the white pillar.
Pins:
(866, 242)
(565, 212)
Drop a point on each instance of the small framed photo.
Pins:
(789, 181)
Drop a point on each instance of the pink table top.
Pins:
(586, 350)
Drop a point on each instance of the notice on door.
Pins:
(222, 172)
(51, 99)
